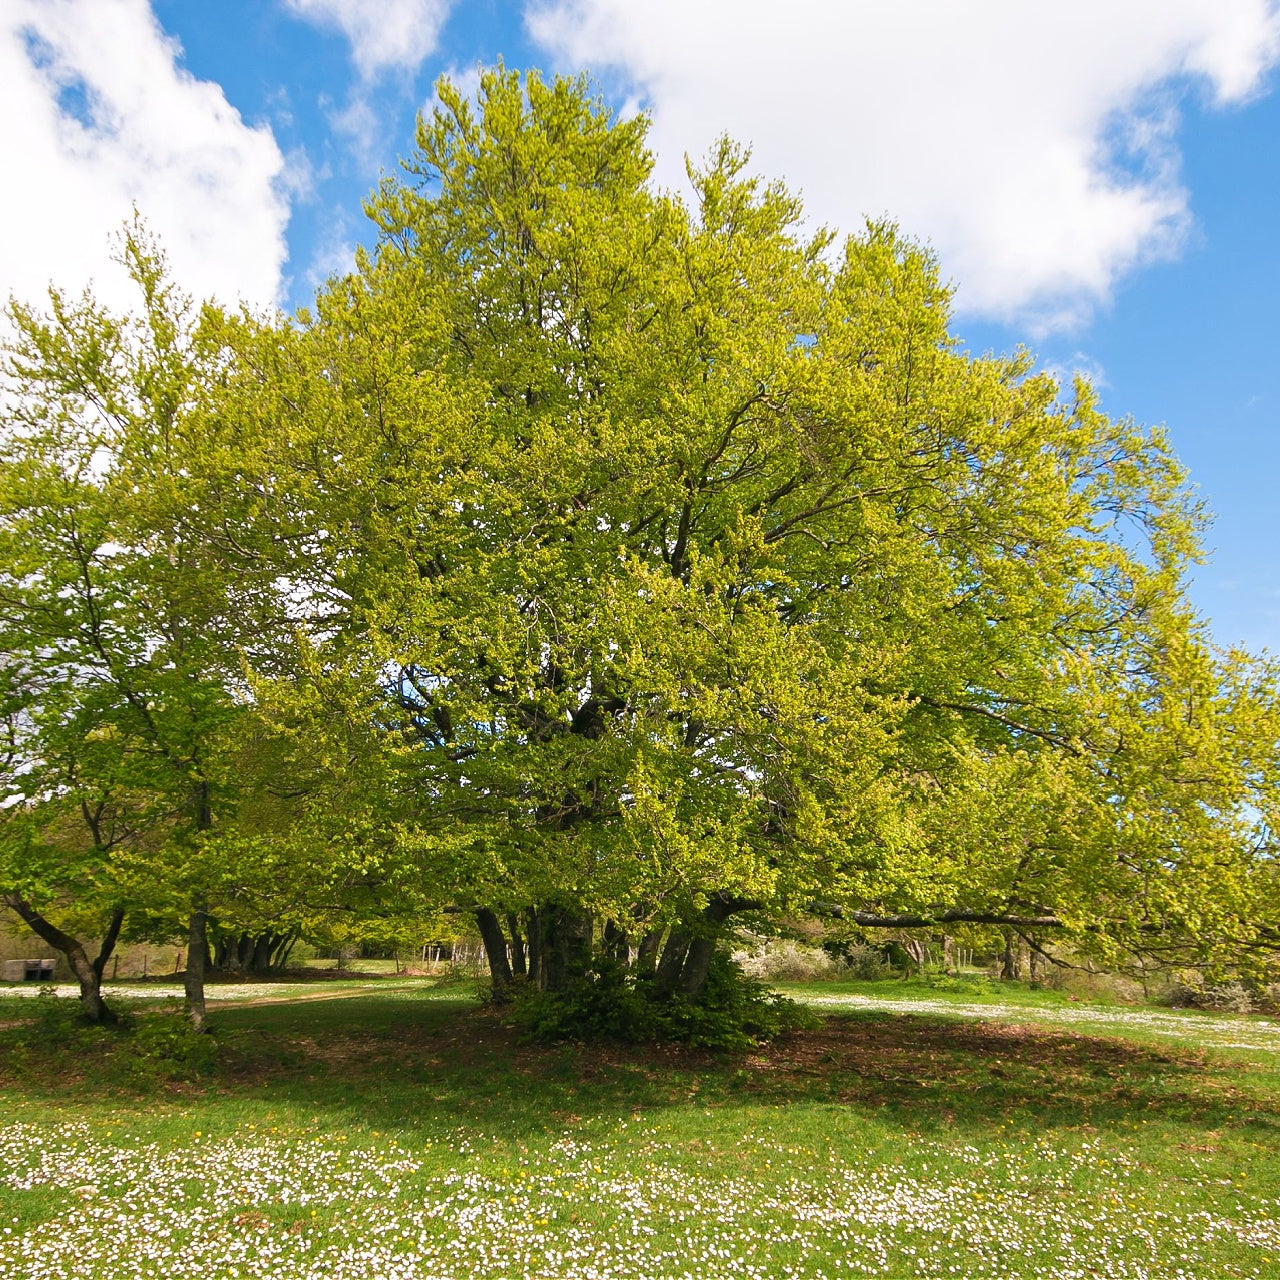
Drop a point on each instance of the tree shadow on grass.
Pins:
(424, 1064)
(946, 1072)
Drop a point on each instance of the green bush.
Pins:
(166, 1047)
(611, 1003)
(958, 984)
(55, 1018)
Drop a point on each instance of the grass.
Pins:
(403, 1131)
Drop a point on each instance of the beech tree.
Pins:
(66, 813)
(126, 615)
(677, 562)
(607, 565)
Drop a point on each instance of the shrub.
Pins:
(1268, 997)
(166, 1047)
(1220, 997)
(609, 1003)
(867, 964)
(787, 960)
(959, 985)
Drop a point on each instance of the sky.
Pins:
(1100, 178)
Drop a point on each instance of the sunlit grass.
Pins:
(391, 1136)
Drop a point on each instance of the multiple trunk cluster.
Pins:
(551, 946)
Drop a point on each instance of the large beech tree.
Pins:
(674, 562)
(608, 564)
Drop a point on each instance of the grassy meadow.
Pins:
(398, 1130)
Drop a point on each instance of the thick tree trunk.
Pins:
(265, 949)
(686, 959)
(565, 945)
(88, 973)
(495, 950)
(615, 943)
(697, 964)
(1009, 966)
(647, 953)
(666, 976)
(90, 980)
(197, 959)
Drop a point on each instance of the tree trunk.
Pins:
(647, 952)
(264, 947)
(197, 959)
(686, 959)
(697, 964)
(666, 976)
(259, 953)
(1009, 961)
(615, 943)
(533, 941)
(495, 950)
(519, 961)
(88, 973)
(565, 945)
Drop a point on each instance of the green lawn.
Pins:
(403, 1131)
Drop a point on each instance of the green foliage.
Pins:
(163, 1047)
(55, 1019)
(590, 546)
(670, 555)
(143, 1051)
(610, 1003)
(957, 984)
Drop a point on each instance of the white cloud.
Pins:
(465, 79)
(358, 124)
(1034, 145)
(1077, 365)
(334, 255)
(299, 178)
(383, 33)
(99, 117)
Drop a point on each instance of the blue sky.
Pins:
(1101, 180)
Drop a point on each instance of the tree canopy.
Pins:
(608, 563)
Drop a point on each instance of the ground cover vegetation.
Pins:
(611, 568)
(409, 1132)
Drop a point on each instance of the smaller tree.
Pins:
(126, 605)
(67, 811)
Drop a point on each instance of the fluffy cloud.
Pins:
(100, 118)
(383, 35)
(1033, 144)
